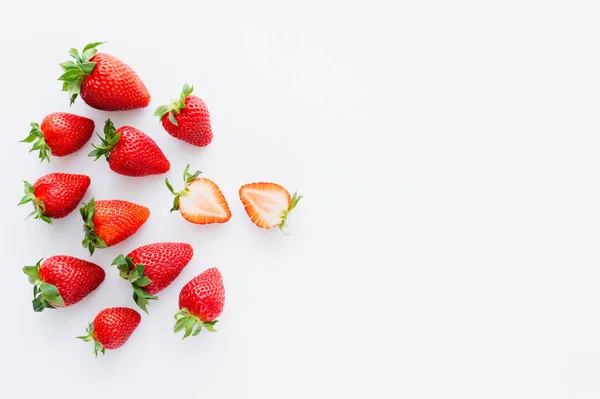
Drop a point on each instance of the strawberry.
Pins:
(130, 152)
(187, 119)
(60, 134)
(201, 301)
(62, 281)
(111, 328)
(103, 81)
(107, 223)
(55, 195)
(268, 204)
(151, 268)
(200, 201)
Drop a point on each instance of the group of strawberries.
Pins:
(104, 82)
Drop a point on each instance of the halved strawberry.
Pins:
(200, 201)
(268, 204)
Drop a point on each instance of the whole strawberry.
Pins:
(60, 134)
(130, 152)
(62, 281)
(103, 81)
(107, 223)
(151, 268)
(201, 201)
(201, 301)
(55, 195)
(187, 119)
(111, 328)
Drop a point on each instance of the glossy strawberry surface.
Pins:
(74, 278)
(193, 123)
(136, 154)
(113, 85)
(163, 262)
(204, 295)
(117, 220)
(60, 193)
(114, 326)
(66, 133)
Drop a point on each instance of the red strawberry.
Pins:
(104, 82)
(200, 201)
(62, 281)
(107, 223)
(60, 134)
(187, 119)
(268, 204)
(55, 195)
(130, 152)
(111, 328)
(151, 268)
(201, 301)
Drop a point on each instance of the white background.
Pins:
(447, 245)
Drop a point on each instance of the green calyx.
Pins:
(98, 347)
(91, 240)
(76, 71)
(175, 106)
(39, 142)
(38, 206)
(109, 141)
(191, 324)
(284, 215)
(135, 275)
(45, 296)
(187, 178)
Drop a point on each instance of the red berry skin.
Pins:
(66, 133)
(136, 154)
(74, 278)
(61, 193)
(204, 295)
(193, 123)
(163, 262)
(113, 86)
(114, 326)
(117, 220)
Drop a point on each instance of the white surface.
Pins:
(447, 244)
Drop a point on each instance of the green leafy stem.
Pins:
(134, 273)
(187, 178)
(39, 208)
(75, 71)
(91, 240)
(109, 141)
(175, 106)
(45, 296)
(39, 142)
(191, 324)
(98, 347)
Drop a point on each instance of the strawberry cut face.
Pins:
(267, 204)
(204, 203)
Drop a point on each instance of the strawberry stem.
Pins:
(91, 240)
(39, 208)
(45, 296)
(187, 178)
(75, 72)
(284, 215)
(98, 347)
(109, 141)
(135, 275)
(192, 324)
(175, 106)
(39, 142)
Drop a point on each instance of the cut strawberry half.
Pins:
(268, 204)
(200, 201)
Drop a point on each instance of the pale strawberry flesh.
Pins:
(204, 203)
(265, 203)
